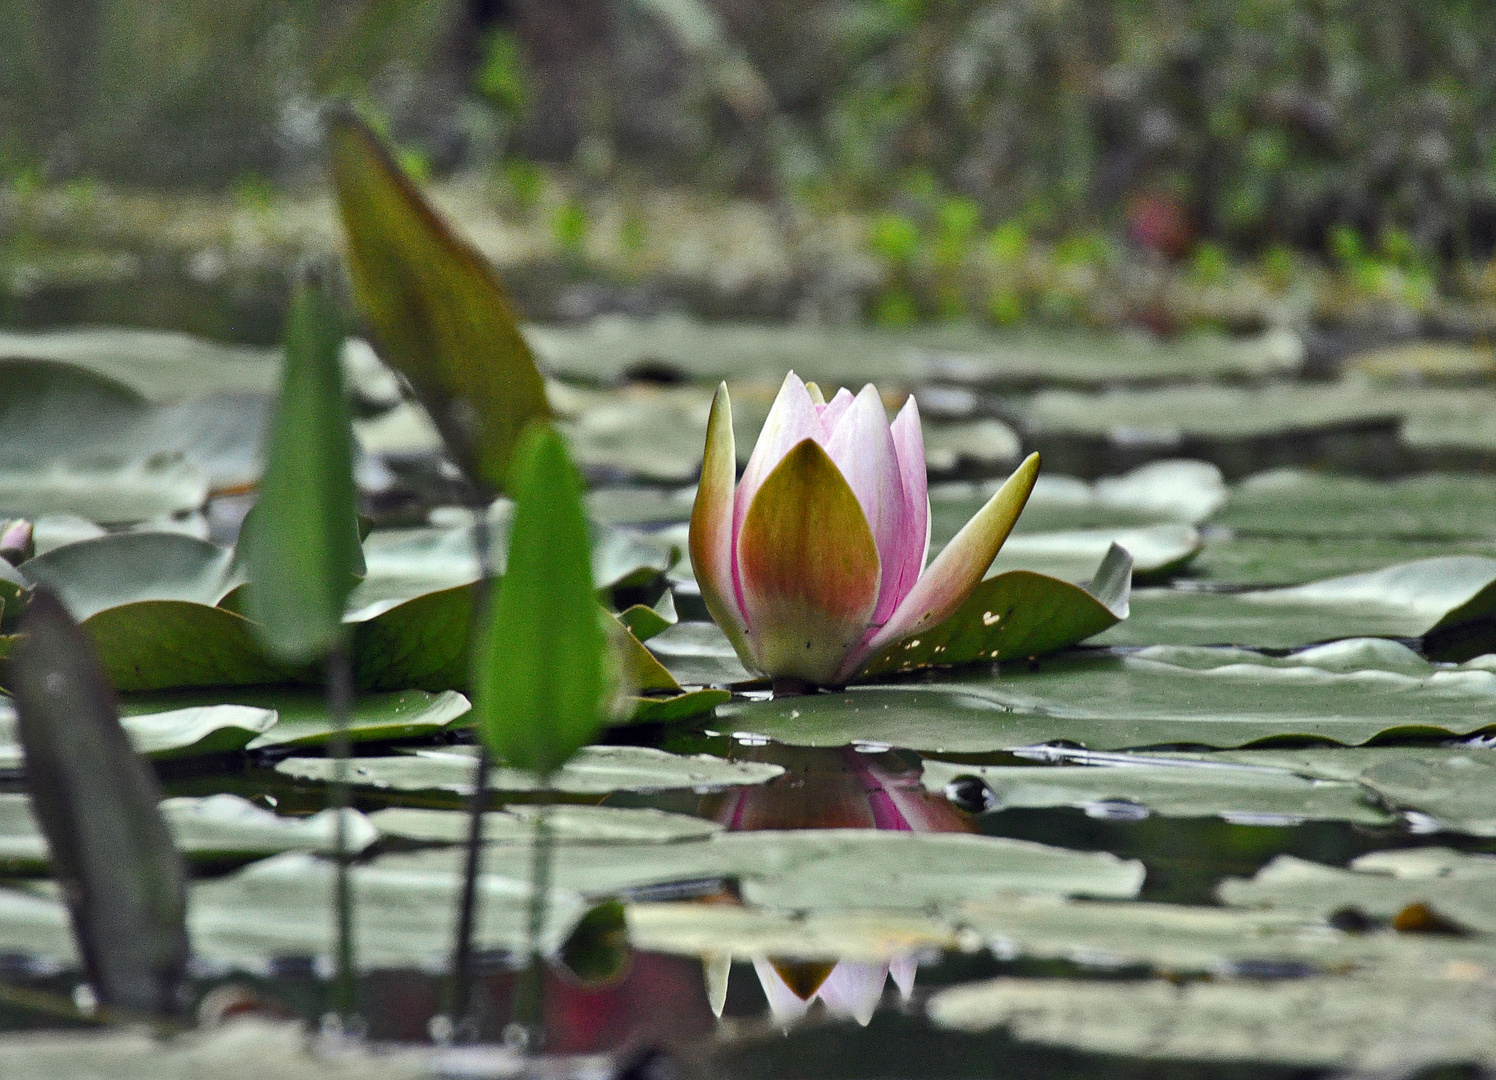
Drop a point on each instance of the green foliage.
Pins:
(503, 78)
(895, 238)
(1210, 263)
(540, 678)
(1009, 243)
(570, 226)
(301, 545)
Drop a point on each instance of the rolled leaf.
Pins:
(540, 690)
(434, 308)
(96, 801)
(302, 547)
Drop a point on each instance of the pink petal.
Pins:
(832, 412)
(902, 968)
(807, 569)
(909, 445)
(854, 988)
(785, 1005)
(958, 568)
(710, 538)
(863, 450)
(792, 419)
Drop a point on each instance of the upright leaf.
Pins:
(539, 681)
(301, 547)
(96, 801)
(434, 308)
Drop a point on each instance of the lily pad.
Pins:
(568, 824)
(164, 736)
(1458, 886)
(215, 828)
(831, 869)
(699, 652)
(69, 420)
(595, 770)
(1257, 796)
(1395, 1024)
(1289, 502)
(1408, 600)
(1457, 790)
(128, 491)
(160, 366)
(279, 907)
(1252, 561)
(745, 932)
(402, 564)
(93, 575)
(1181, 491)
(1157, 697)
(1014, 615)
(606, 348)
(1075, 554)
(238, 1049)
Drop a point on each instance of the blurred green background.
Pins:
(1103, 162)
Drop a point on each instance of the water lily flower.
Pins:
(814, 561)
(17, 541)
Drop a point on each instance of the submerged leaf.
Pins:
(96, 801)
(435, 308)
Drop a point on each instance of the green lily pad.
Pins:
(267, 1047)
(215, 828)
(168, 644)
(605, 348)
(94, 575)
(1408, 600)
(402, 564)
(160, 366)
(1457, 790)
(1451, 785)
(1458, 886)
(1181, 695)
(1168, 415)
(1261, 561)
(1014, 615)
(1288, 502)
(279, 907)
(1377, 1022)
(303, 720)
(1075, 554)
(129, 491)
(699, 652)
(567, 824)
(830, 869)
(1186, 492)
(675, 707)
(595, 770)
(743, 933)
(63, 419)
(1258, 796)
(163, 736)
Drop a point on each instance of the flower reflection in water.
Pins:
(844, 788)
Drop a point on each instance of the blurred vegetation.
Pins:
(1007, 160)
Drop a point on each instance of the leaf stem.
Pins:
(339, 705)
(529, 1001)
(460, 981)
